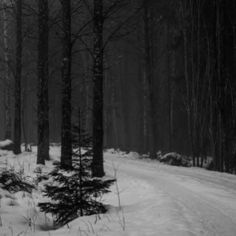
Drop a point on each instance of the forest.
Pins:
(147, 76)
(111, 112)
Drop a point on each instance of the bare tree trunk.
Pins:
(17, 121)
(186, 74)
(145, 114)
(66, 140)
(43, 76)
(170, 76)
(24, 108)
(228, 67)
(197, 83)
(7, 80)
(219, 88)
(97, 165)
(194, 85)
(149, 78)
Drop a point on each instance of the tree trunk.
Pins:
(7, 82)
(145, 114)
(17, 121)
(229, 20)
(97, 165)
(23, 116)
(219, 84)
(66, 142)
(183, 9)
(149, 79)
(170, 75)
(43, 76)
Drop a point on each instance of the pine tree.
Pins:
(75, 192)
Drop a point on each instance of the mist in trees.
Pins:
(148, 76)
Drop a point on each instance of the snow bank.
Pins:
(175, 159)
(6, 145)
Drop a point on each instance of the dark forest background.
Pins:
(169, 74)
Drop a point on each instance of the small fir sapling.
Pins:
(75, 192)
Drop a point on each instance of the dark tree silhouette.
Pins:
(149, 67)
(7, 74)
(66, 143)
(43, 122)
(97, 165)
(18, 73)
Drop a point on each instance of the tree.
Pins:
(97, 165)
(197, 76)
(7, 82)
(43, 76)
(149, 78)
(66, 143)
(18, 73)
(76, 193)
(223, 84)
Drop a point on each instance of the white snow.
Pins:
(5, 143)
(149, 199)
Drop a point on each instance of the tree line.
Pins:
(42, 11)
(147, 75)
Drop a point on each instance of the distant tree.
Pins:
(208, 42)
(224, 84)
(66, 143)
(149, 76)
(7, 80)
(98, 20)
(43, 76)
(18, 74)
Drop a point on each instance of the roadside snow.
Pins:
(5, 142)
(149, 199)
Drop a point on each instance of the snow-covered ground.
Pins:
(149, 199)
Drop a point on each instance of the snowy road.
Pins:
(164, 200)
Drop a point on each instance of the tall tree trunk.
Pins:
(219, 81)
(197, 86)
(229, 23)
(183, 9)
(66, 142)
(7, 82)
(17, 121)
(216, 117)
(170, 75)
(24, 116)
(145, 101)
(193, 66)
(145, 106)
(43, 76)
(97, 165)
(149, 79)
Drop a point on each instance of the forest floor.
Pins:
(149, 198)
